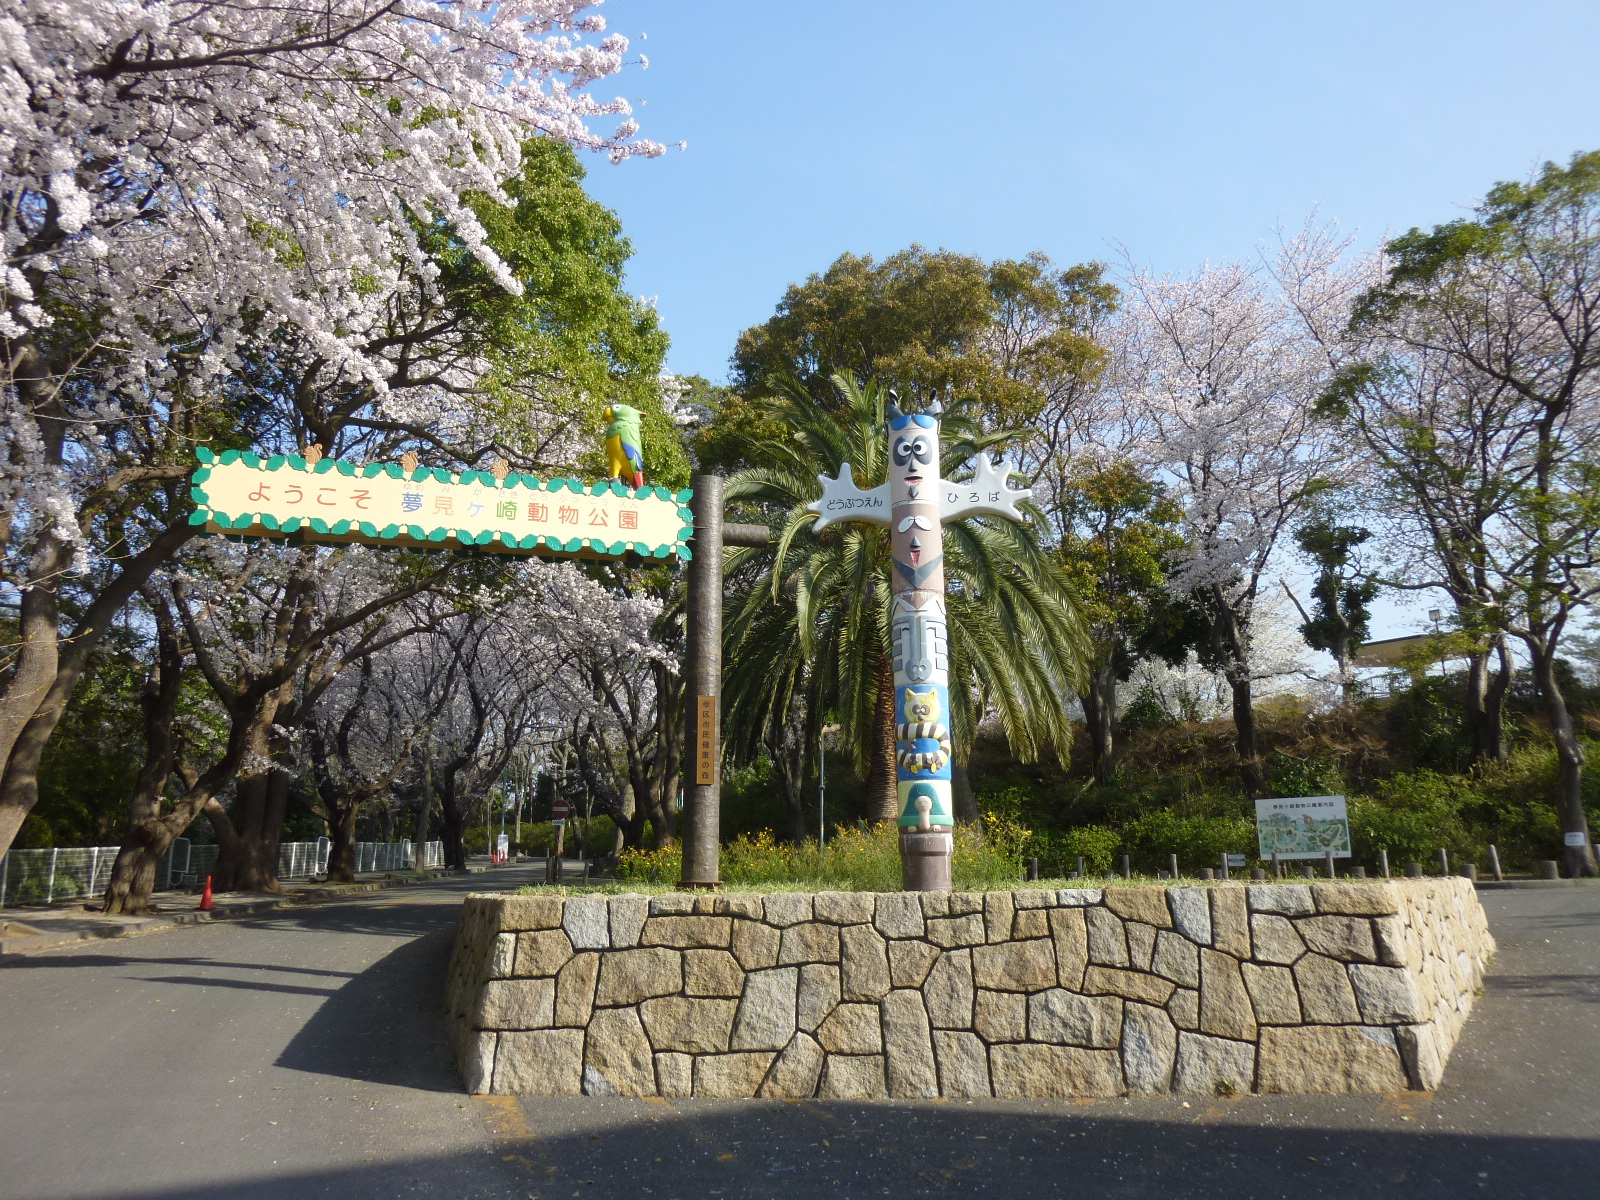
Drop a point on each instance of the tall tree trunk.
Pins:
(883, 792)
(454, 826)
(49, 668)
(1099, 702)
(1229, 643)
(1578, 860)
(961, 797)
(343, 816)
(147, 837)
(425, 809)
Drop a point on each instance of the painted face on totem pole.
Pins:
(914, 486)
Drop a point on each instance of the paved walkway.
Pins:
(301, 1053)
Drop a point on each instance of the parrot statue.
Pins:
(624, 445)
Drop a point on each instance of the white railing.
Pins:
(67, 872)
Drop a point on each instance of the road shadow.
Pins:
(838, 1151)
(384, 1025)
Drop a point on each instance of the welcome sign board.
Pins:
(244, 495)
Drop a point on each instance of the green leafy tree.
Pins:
(1119, 529)
(1341, 596)
(809, 616)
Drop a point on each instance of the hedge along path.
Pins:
(1322, 987)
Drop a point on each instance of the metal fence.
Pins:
(68, 872)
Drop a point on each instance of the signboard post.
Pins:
(1303, 827)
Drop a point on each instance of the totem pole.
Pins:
(916, 504)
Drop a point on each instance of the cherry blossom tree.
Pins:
(1216, 374)
(220, 219)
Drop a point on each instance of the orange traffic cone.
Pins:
(205, 897)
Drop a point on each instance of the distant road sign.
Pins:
(560, 810)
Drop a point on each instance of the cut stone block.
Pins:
(675, 1075)
(1108, 940)
(1184, 1008)
(1419, 1050)
(1349, 939)
(949, 991)
(853, 1077)
(748, 907)
(863, 963)
(1015, 966)
(1034, 1070)
(963, 1065)
(617, 1059)
(688, 1025)
(542, 953)
(1176, 958)
(819, 994)
(543, 1062)
(503, 958)
(1031, 923)
(899, 915)
(1370, 899)
(627, 917)
(1275, 939)
(475, 1055)
(685, 933)
(587, 920)
(1070, 934)
(1326, 997)
(1001, 1016)
(1230, 921)
(1078, 897)
(1149, 1049)
(1272, 993)
(1141, 945)
(712, 973)
(1209, 1066)
(852, 1029)
(629, 976)
(1130, 985)
(998, 914)
(1324, 1058)
(1147, 905)
(1285, 899)
(787, 908)
(910, 962)
(767, 1011)
(575, 990)
(1225, 1008)
(731, 1076)
(1066, 1018)
(809, 943)
(796, 1073)
(516, 1004)
(1033, 898)
(844, 908)
(950, 932)
(1191, 913)
(908, 1047)
(672, 904)
(1386, 995)
(518, 913)
(755, 945)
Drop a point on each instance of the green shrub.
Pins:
(1097, 844)
(1198, 841)
(865, 859)
(1411, 816)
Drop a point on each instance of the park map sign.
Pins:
(241, 494)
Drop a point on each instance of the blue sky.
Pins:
(1184, 132)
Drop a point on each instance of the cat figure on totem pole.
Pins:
(624, 444)
(916, 504)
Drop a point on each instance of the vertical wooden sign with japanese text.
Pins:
(705, 742)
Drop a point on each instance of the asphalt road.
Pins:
(301, 1054)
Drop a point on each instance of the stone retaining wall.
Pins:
(1321, 987)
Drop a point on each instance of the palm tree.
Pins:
(809, 616)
